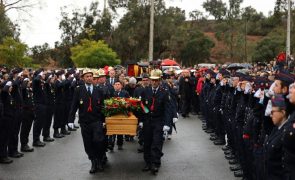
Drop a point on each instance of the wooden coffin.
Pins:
(121, 125)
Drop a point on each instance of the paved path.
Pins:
(190, 155)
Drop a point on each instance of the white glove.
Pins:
(26, 79)
(166, 128)
(41, 73)
(20, 74)
(239, 88)
(140, 124)
(248, 88)
(72, 75)
(50, 77)
(175, 120)
(74, 79)
(71, 125)
(63, 77)
(9, 83)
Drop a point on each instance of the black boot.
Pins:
(16, 154)
(238, 173)
(26, 148)
(64, 131)
(235, 167)
(93, 166)
(5, 160)
(154, 169)
(147, 167)
(219, 142)
(56, 134)
(100, 167)
(38, 143)
(140, 149)
(48, 139)
(233, 161)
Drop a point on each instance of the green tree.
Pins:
(7, 28)
(130, 38)
(197, 49)
(216, 8)
(233, 14)
(41, 54)
(93, 54)
(268, 49)
(13, 53)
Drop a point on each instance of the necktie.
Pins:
(112, 81)
(89, 91)
(154, 92)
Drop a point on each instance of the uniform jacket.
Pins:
(161, 101)
(273, 155)
(81, 101)
(39, 91)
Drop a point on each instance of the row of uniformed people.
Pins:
(33, 99)
(257, 120)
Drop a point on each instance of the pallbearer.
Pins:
(89, 100)
(155, 100)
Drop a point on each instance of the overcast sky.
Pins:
(42, 24)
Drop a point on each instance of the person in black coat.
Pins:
(89, 100)
(40, 107)
(28, 115)
(289, 139)
(50, 106)
(273, 144)
(156, 102)
(119, 92)
(59, 114)
(6, 121)
(185, 92)
(16, 93)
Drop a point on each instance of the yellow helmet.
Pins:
(156, 74)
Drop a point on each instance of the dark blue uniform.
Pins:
(28, 113)
(91, 120)
(40, 107)
(158, 116)
(6, 122)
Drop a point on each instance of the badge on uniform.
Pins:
(81, 102)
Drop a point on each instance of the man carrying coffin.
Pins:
(155, 103)
(89, 100)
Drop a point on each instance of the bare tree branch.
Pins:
(19, 7)
(12, 4)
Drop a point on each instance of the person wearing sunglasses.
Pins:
(273, 144)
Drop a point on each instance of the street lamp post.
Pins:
(151, 41)
(288, 49)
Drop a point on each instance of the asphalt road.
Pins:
(190, 155)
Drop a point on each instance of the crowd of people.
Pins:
(248, 111)
(33, 99)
